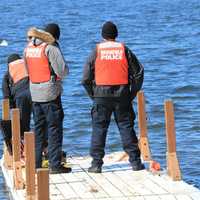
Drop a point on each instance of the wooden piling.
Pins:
(173, 168)
(42, 184)
(142, 123)
(16, 146)
(5, 109)
(8, 161)
(16, 134)
(29, 141)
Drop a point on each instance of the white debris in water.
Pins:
(3, 43)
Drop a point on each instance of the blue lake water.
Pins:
(163, 34)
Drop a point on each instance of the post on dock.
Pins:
(8, 161)
(43, 184)
(142, 123)
(29, 142)
(16, 146)
(173, 168)
(5, 109)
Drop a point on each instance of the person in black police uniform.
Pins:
(112, 77)
(15, 87)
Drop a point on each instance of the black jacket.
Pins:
(135, 74)
(10, 90)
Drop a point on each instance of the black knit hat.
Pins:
(109, 30)
(53, 29)
(13, 57)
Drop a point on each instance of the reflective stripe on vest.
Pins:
(111, 67)
(17, 70)
(37, 63)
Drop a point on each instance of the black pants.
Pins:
(124, 117)
(24, 103)
(48, 118)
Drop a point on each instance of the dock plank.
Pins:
(155, 188)
(183, 197)
(71, 178)
(120, 198)
(81, 190)
(195, 196)
(54, 190)
(153, 197)
(167, 197)
(93, 186)
(117, 182)
(110, 189)
(173, 187)
(100, 180)
(56, 178)
(66, 190)
(135, 183)
(137, 198)
(57, 197)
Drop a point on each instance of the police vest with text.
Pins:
(38, 63)
(111, 66)
(17, 70)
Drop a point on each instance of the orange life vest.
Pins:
(17, 70)
(37, 63)
(111, 66)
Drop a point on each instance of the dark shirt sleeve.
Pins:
(88, 73)
(6, 89)
(136, 73)
(5, 86)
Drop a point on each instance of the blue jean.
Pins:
(124, 117)
(48, 118)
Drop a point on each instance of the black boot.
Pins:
(137, 166)
(60, 170)
(94, 169)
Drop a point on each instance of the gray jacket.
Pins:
(48, 91)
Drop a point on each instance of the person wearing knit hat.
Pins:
(13, 57)
(15, 87)
(112, 76)
(47, 68)
(53, 29)
(109, 30)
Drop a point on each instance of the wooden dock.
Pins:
(116, 182)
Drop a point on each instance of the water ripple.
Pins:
(163, 35)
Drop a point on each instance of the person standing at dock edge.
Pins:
(112, 77)
(46, 68)
(15, 87)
